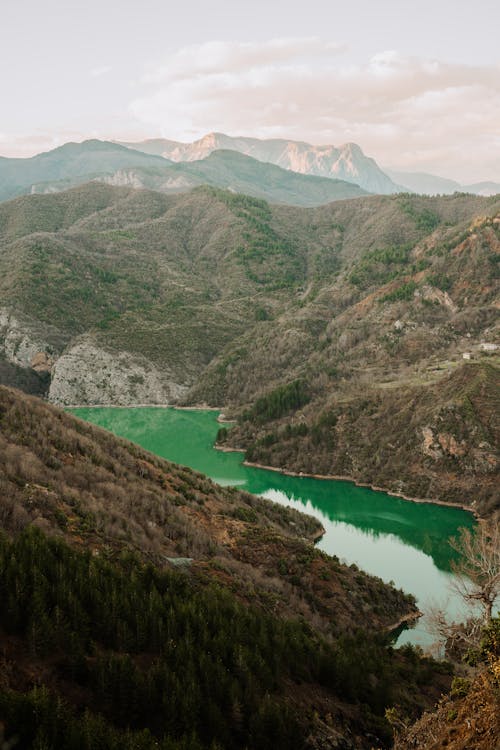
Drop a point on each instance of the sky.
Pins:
(415, 84)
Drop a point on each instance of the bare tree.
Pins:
(477, 572)
(476, 581)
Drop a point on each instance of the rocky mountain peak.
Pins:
(345, 162)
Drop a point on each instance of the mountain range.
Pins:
(277, 170)
(76, 163)
(144, 606)
(119, 296)
(430, 184)
(347, 162)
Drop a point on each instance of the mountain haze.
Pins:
(424, 183)
(483, 188)
(241, 174)
(66, 165)
(347, 162)
(430, 184)
(76, 163)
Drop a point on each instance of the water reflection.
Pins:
(389, 537)
(422, 525)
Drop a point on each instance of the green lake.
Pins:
(398, 540)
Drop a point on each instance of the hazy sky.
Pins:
(416, 84)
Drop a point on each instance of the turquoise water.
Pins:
(398, 540)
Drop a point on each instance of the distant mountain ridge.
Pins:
(346, 162)
(431, 184)
(68, 165)
(483, 188)
(76, 163)
(276, 170)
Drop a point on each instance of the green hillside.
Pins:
(127, 296)
(242, 174)
(74, 164)
(68, 163)
(131, 618)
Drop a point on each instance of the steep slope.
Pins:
(68, 165)
(469, 716)
(437, 441)
(166, 281)
(347, 162)
(136, 297)
(76, 163)
(389, 399)
(242, 174)
(102, 493)
(132, 615)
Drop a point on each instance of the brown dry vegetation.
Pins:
(372, 302)
(460, 722)
(82, 485)
(437, 441)
(99, 492)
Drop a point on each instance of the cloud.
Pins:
(101, 71)
(415, 113)
(219, 57)
(27, 144)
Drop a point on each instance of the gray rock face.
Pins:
(345, 162)
(84, 372)
(23, 343)
(89, 374)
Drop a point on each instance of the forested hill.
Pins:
(132, 618)
(119, 296)
(78, 163)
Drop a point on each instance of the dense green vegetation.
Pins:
(380, 266)
(425, 219)
(401, 292)
(222, 299)
(267, 257)
(279, 402)
(157, 654)
(89, 291)
(211, 662)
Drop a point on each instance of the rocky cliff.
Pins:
(382, 306)
(345, 162)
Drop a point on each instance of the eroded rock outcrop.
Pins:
(25, 344)
(89, 374)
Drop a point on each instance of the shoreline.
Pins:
(357, 483)
(411, 617)
(367, 485)
(281, 470)
(201, 407)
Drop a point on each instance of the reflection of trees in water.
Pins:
(424, 526)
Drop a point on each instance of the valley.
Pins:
(390, 538)
(250, 376)
(126, 578)
(382, 310)
(357, 339)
